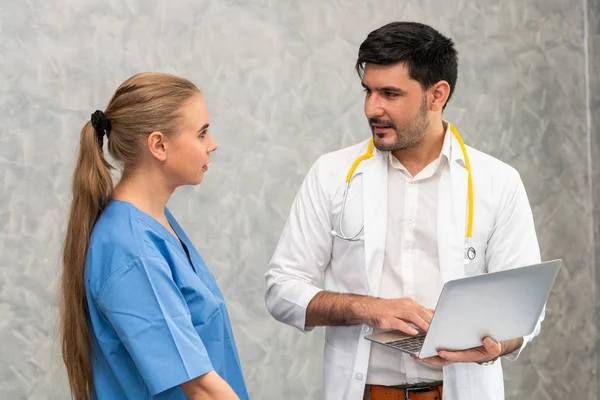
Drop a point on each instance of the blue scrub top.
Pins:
(158, 318)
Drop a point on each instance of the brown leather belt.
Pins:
(417, 392)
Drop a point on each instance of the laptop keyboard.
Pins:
(411, 344)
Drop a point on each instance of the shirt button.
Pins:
(410, 221)
(366, 329)
(359, 377)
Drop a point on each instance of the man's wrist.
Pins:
(361, 307)
(506, 347)
(510, 346)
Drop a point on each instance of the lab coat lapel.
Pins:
(461, 379)
(452, 217)
(375, 207)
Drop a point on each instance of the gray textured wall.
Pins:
(279, 81)
(593, 18)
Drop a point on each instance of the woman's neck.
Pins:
(145, 190)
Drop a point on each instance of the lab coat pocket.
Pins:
(337, 366)
(341, 342)
(337, 357)
(342, 246)
(347, 268)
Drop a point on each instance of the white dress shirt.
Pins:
(411, 264)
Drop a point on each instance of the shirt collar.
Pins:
(447, 151)
(456, 153)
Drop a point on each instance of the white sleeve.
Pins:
(513, 242)
(295, 272)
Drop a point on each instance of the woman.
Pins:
(142, 315)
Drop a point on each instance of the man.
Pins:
(411, 195)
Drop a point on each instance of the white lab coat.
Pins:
(309, 259)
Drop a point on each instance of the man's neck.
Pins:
(429, 149)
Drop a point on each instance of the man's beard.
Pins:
(408, 135)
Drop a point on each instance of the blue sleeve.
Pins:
(149, 314)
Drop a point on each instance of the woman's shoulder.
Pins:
(118, 226)
(120, 237)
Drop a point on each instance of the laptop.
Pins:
(502, 305)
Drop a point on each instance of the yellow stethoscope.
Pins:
(470, 253)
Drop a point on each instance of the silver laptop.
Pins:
(502, 305)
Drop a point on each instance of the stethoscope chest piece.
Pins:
(471, 253)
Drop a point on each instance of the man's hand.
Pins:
(395, 314)
(490, 351)
(331, 309)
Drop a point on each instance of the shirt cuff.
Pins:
(303, 302)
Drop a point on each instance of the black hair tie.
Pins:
(101, 125)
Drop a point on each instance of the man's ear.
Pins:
(440, 93)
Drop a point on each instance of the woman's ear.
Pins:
(157, 145)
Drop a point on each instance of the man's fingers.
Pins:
(416, 317)
(492, 347)
(401, 313)
(426, 314)
(422, 312)
(418, 321)
(437, 361)
(470, 355)
(404, 327)
(490, 350)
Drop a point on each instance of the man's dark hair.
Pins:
(429, 56)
